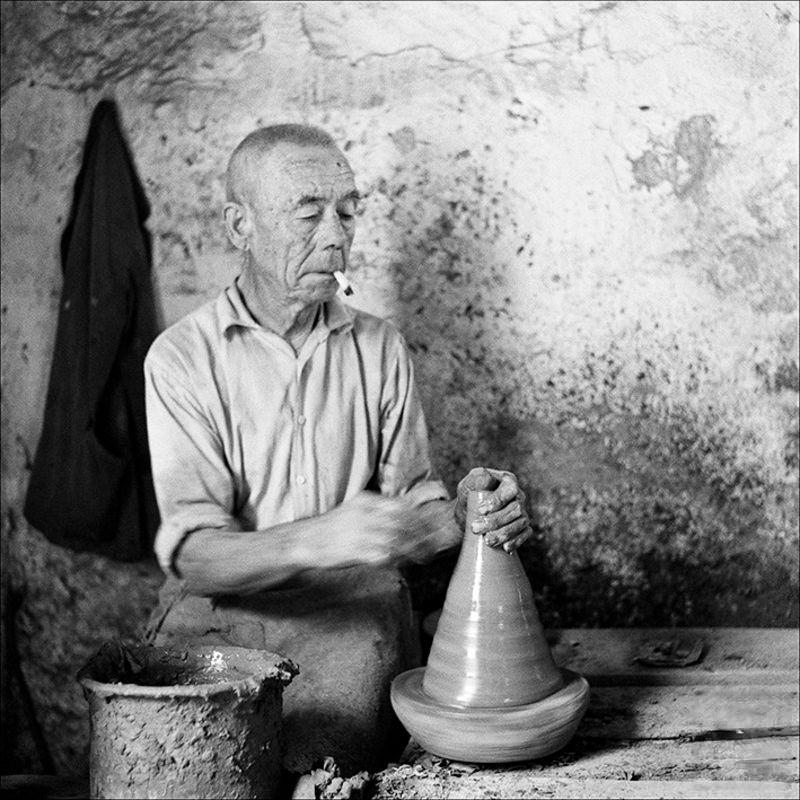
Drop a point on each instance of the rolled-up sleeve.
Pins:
(404, 458)
(194, 486)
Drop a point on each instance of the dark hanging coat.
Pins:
(90, 488)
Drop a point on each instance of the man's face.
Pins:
(303, 203)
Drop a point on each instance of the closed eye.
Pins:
(309, 212)
(347, 209)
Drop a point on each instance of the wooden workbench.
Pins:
(725, 726)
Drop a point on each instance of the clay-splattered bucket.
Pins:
(203, 722)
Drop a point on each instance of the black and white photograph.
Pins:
(400, 399)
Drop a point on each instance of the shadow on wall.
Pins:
(643, 511)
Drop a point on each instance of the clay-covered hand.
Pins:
(503, 518)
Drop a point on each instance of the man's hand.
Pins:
(503, 519)
(373, 529)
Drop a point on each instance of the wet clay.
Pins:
(489, 649)
(491, 691)
(202, 722)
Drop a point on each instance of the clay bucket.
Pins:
(203, 722)
(491, 691)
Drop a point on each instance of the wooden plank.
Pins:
(668, 712)
(606, 656)
(403, 782)
(654, 731)
(774, 759)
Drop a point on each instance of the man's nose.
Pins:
(331, 232)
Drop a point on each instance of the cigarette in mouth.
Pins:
(347, 287)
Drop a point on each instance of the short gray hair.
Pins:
(260, 142)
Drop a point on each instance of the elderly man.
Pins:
(290, 459)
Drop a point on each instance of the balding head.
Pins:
(245, 159)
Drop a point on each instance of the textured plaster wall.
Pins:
(582, 215)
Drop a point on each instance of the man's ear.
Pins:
(236, 217)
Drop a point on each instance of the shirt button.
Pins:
(301, 420)
(301, 479)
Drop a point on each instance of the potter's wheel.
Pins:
(491, 691)
(490, 735)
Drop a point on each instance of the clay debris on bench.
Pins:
(327, 782)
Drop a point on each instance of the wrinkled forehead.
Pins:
(290, 172)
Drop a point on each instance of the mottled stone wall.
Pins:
(582, 215)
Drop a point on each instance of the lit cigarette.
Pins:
(347, 287)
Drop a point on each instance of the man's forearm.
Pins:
(214, 561)
(366, 530)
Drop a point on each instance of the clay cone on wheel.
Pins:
(491, 691)
(489, 649)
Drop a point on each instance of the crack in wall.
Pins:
(576, 34)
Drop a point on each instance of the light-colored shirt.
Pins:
(245, 435)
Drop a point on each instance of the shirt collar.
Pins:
(336, 315)
(233, 312)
